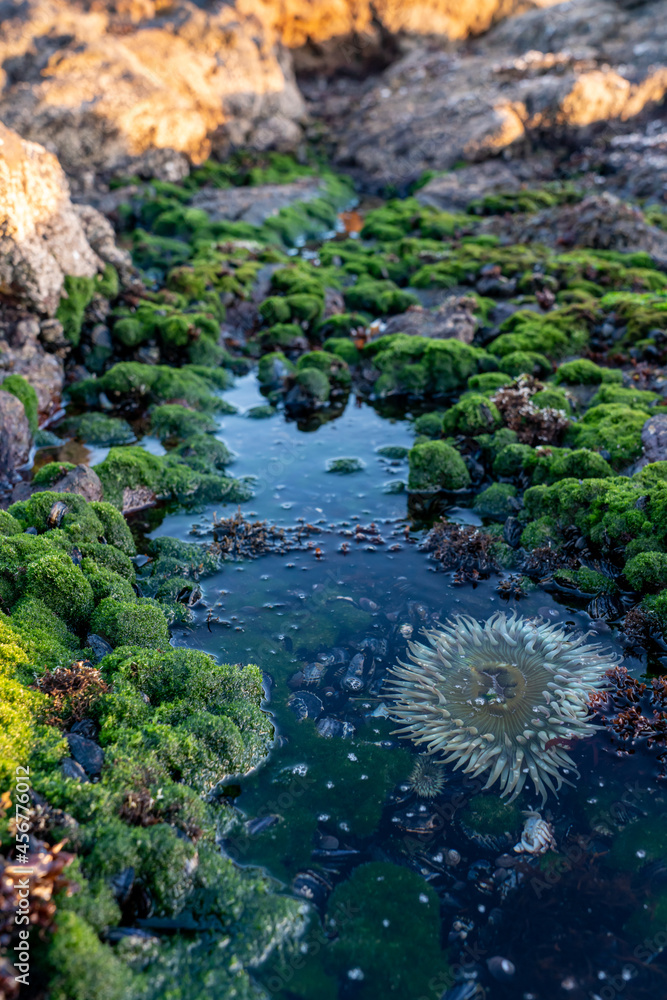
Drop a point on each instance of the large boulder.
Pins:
(142, 82)
(551, 72)
(41, 235)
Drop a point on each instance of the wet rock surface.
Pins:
(15, 435)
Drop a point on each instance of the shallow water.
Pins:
(319, 808)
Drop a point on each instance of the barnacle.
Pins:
(505, 696)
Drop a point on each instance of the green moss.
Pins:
(634, 398)
(344, 349)
(429, 425)
(588, 581)
(344, 466)
(366, 919)
(380, 298)
(435, 466)
(105, 583)
(554, 335)
(8, 524)
(488, 382)
(275, 310)
(175, 476)
(639, 844)
(175, 421)
(611, 427)
(584, 372)
(51, 473)
(494, 502)
(99, 429)
(552, 399)
(55, 580)
(474, 414)
(21, 388)
(314, 383)
(130, 331)
(540, 532)
(81, 967)
(273, 369)
(204, 453)
(647, 571)
(551, 465)
(489, 816)
(131, 382)
(513, 460)
(525, 363)
(116, 531)
(127, 623)
(78, 294)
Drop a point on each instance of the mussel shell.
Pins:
(512, 530)
(329, 728)
(305, 705)
(56, 514)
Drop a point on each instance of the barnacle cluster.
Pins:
(505, 696)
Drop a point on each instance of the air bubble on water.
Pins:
(423, 898)
(355, 974)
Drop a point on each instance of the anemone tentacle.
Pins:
(500, 696)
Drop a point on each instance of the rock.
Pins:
(43, 371)
(563, 75)
(99, 646)
(85, 727)
(601, 222)
(144, 86)
(81, 480)
(254, 204)
(15, 436)
(71, 769)
(41, 236)
(101, 237)
(654, 439)
(453, 192)
(453, 319)
(86, 753)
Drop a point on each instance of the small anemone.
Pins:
(426, 778)
(504, 696)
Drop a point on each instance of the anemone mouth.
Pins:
(501, 696)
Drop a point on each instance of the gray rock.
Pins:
(71, 769)
(654, 439)
(86, 753)
(254, 204)
(82, 480)
(15, 436)
(99, 646)
(453, 319)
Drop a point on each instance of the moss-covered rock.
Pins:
(173, 421)
(434, 466)
(474, 414)
(131, 623)
(495, 502)
(612, 428)
(21, 388)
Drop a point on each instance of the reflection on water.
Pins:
(413, 895)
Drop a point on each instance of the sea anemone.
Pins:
(505, 696)
(426, 778)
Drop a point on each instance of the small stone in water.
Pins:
(344, 466)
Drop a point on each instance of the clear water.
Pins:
(421, 922)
